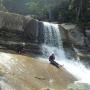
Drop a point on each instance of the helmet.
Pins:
(23, 44)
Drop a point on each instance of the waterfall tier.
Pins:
(52, 34)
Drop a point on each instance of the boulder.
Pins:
(33, 31)
(11, 27)
(76, 37)
(72, 34)
(11, 21)
(64, 34)
(16, 29)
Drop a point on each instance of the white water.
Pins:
(73, 66)
(7, 60)
(77, 69)
(51, 33)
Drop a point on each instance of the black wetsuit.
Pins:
(51, 59)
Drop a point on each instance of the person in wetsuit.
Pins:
(51, 59)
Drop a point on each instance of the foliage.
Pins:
(60, 10)
(41, 8)
(79, 9)
(35, 7)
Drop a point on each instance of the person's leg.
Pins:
(55, 64)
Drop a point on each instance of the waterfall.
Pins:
(52, 34)
(52, 40)
(53, 43)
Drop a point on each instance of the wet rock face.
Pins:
(76, 37)
(31, 30)
(34, 31)
(64, 34)
(13, 33)
(71, 34)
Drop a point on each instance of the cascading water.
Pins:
(52, 40)
(51, 34)
(53, 43)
